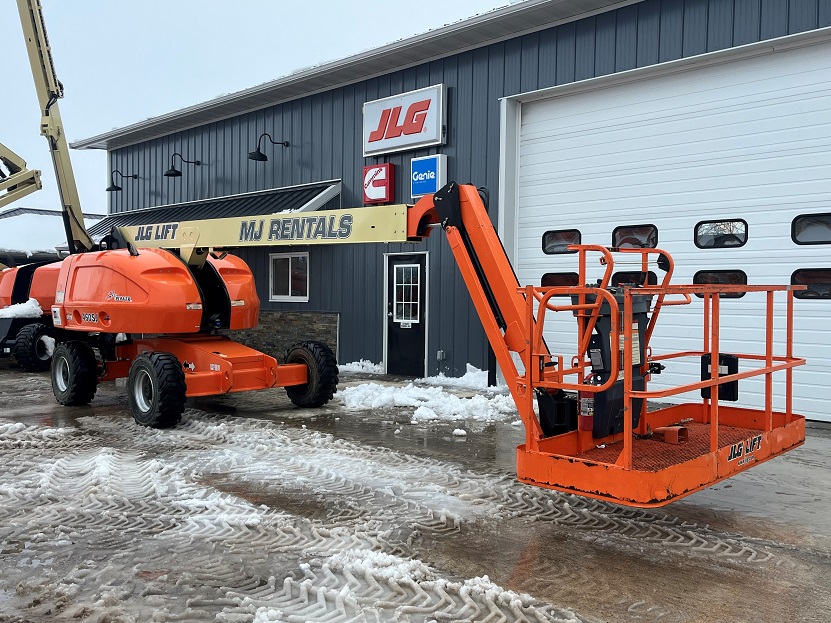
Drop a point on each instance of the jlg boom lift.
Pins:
(172, 308)
(593, 434)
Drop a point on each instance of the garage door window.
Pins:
(721, 234)
(635, 277)
(818, 281)
(557, 241)
(811, 229)
(721, 277)
(289, 277)
(635, 237)
(560, 280)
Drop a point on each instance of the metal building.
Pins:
(576, 114)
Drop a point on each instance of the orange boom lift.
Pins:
(594, 435)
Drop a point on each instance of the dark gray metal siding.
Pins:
(325, 135)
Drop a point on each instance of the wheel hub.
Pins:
(144, 391)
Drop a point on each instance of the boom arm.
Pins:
(17, 181)
(49, 91)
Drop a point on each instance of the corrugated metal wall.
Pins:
(325, 135)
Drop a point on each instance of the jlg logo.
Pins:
(389, 127)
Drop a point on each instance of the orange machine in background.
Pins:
(593, 434)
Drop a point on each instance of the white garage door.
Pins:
(746, 139)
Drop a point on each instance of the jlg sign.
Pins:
(401, 122)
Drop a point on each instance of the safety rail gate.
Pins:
(663, 454)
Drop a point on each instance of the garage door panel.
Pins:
(747, 139)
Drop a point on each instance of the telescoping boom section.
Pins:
(592, 432)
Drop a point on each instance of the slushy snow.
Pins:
(29, 309)
(429, 403)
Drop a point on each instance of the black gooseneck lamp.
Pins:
(173, 171)
(257, 155)
(113, 187)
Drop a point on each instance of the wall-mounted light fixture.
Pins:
(257, 155)
(173, 171)
(113, 187)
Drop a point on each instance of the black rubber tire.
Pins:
(30, 349)
(74, 373)
(323, 374)
(156, 390)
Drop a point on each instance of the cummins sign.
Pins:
(404, 122)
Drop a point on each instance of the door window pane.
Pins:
(407, 291)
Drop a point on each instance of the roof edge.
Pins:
(589, 7)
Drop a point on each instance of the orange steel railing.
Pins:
(538, 374)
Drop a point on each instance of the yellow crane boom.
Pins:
(49, 91)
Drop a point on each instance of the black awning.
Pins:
(290, 199)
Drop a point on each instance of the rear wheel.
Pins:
(74, 373)
(323, 374)
(33, 347)
(157, 390)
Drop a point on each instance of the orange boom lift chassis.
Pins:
(594, 435)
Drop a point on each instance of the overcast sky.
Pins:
(122, 62)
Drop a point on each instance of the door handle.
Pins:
(389, 314)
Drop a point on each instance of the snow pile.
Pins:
(359, 562)
(364, 365)
(29, 309)
(459, 432)
(430, 403)
(473, 378)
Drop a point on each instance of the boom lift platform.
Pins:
(594, 435)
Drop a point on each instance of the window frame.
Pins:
(419, 303)
(619, 227)
(800, 294)
(721, 271)
(556, 231)
(793, 230)
(280, 298)
(723, 220)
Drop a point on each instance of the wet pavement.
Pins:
(253, 510)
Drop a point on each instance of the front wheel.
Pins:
(74, 373)
(323, 374)
(156, 390)
(33, 347)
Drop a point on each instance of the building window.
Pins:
(635, 277)
(289, 277)
(818, 281)
(407, 291)
(560, 280)
(635, 237)
(721, 234)
(557, 241)
(721, 277)
(811, 229)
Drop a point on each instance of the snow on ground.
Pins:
(430, 403)
(29, 309)
(364, 365)
(473, 378)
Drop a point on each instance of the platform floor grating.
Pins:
(653, 456)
